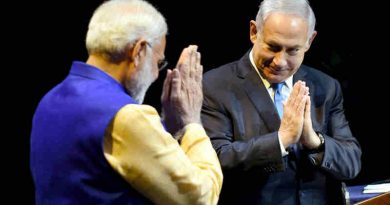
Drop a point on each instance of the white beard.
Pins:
(140, 82)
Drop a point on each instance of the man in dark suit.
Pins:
(298, 154)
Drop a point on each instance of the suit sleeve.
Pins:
(151, 161)
(342, 155)
(237, 150)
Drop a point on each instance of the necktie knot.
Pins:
(277, 86)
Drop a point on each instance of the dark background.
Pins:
(51, 35)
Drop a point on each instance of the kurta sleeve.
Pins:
(137, 146)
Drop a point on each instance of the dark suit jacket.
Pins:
(242, 122)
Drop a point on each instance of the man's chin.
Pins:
(276, 78)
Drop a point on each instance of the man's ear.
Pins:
(311, 40)
(138, 52)
(252, 31)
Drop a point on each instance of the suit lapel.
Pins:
(258, 94)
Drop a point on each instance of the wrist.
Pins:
(321, 145)
(193, 118)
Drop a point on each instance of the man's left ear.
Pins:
(311, 39)
(138, 52)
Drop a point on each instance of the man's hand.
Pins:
(309, 138)
(182, 91)
(293, 115)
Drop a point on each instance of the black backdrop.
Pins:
(51, 35)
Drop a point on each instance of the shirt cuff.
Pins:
(282, 149)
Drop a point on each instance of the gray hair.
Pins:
(295, 7)
(117, 24)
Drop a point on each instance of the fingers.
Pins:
(184, 63)
(193, 61)
(198, 69)
(189, 63)
(297, 98)
(166, 92)
(307, 107)
(301, 98)
(183, 89)
(295, 112)
(175, 85)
